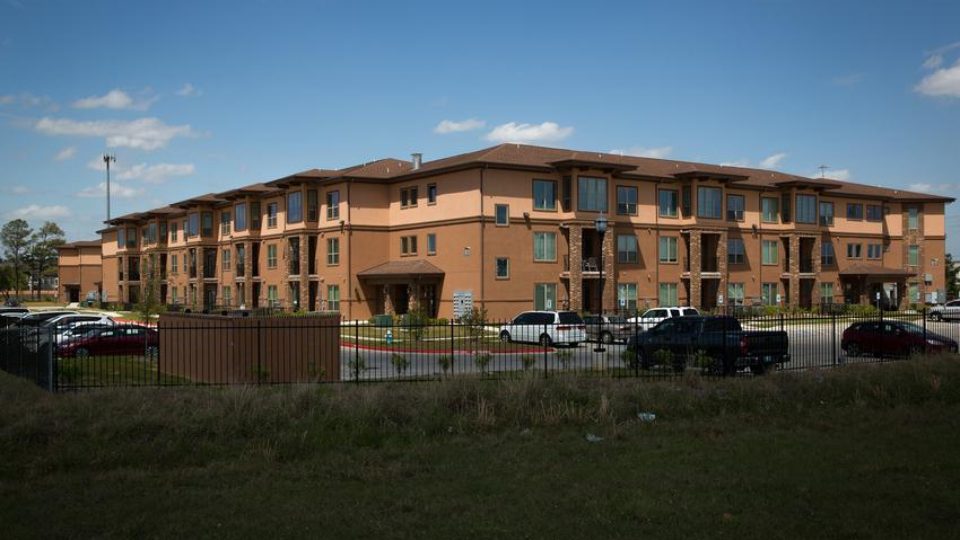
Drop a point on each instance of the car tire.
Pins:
(606, 338)
(852, 349)
(505, 337)
(152, 352)
(81, 353)
(936, 316)
(545, 340)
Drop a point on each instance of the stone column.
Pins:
(723, 288)
(794, 270)
(609, 293)
(575, 239)
(248, 273)
(815, 298)
(696, 263)
(387, 300)
(304, 269)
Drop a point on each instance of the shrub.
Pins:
(527, 361)
(629, 357)
(400, 363)
(357, 366)
(416, 322)
(446, 362)
(482, 360)
(475, 321)
(443, 321)
(563, 357)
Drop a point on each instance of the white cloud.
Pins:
(188, 90)
(40, 212)
(450, 126)
(942, 82)
(16, 190)
(156, 174)
(116, 99)
(945, 189)
(773, 161)
(933, 61)
(738, 163)
(659, 152)
(143, 133)
(116, 190)
(514, 132)
(834, 174)
(66, 153)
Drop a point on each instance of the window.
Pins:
(668, 202)
(272, 215)
(668, 294)
(770, 252)
(626, 200)
(913, 292)
(333, 205)
(768, 294)
(567, 193)
(431, 244)
(592, 194)
(503, 268)
(193, 224)
(544, 246)
(827, 255)
(854, 251)
(313, 205)
(913, 218)
(271, 255)
(173, 296)
(544, 195)
(431, 194)
(806, 209)
(668, 249)
(333, 297)
(333, 251)
(874, 212)
(735, 206)
(785, 208)
(854, 211)
(240, 217)
(913, 255)
(627, 249)
(709, 202)
(408, 197)
(874, 251)
(152, 233)
(686, 200)
(226, 294)
(121, 238)
(769, 210)
(163, 231)
(735, 294)
(736, 252)
(408, 245)
(173, 231)
(627, 296)
(294, 207)
(545, 296)
(826, 293)
(502, 214)
(255, 216)
(225, 259)
(173, 264)
(826, 214)
(206, 224)
(241, 260)
(225, 220)
(273, 299)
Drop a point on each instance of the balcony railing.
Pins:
(806, 266)
(710, 264)
(209, 271)
(133, 276)
(241, 269)
(586, 265)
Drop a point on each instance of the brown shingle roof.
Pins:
(407, 267)
(873, 270)
(80, 244)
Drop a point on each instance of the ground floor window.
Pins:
(273, 299)
(333, 297)
(545, 296)
(668, 294)
(735, 294)
(826, 293)
(768, 294)
(503, 268)
(913, 292)
(227, 292)
(627, 296)
(173, 296)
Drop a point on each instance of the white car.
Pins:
(80, 329)
(546, 328)
(950, 310)
(652, 317)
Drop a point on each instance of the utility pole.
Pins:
(107, 158)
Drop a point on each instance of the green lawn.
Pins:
(857, 452)
(96, 371)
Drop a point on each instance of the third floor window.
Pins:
(806, 209)
(668, 202)
(408, 197)
(294, 207)
(544, 195)
(272, 215)
(735, 207)
(333, 205)
(591, 194)
(770, 209)
(709, 202)
(826, 214)
(627, 200)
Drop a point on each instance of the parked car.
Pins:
(80, 329)
(950, 310)
(121, 339)
(893, 338)
(652, 317)
(546, 328)
(607, 328)
(10, 318)
(13, 310)
(67, 320)
(37, 318)
(719, 341)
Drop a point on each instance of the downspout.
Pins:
(483, 296)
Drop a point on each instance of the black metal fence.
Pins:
(421, 350)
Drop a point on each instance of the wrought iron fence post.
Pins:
(545, 357)
(259, 351)
(51, 366)
(356, 350)
(923, 312)
(833, 337)
(453, 349)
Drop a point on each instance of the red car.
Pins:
(124, 339)
(893, 338)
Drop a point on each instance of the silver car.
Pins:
(607, 328)
(950, 310)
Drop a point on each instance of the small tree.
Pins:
(475, 322)
(41, 254)
(952, 275)
(15, 237)
(149, 304)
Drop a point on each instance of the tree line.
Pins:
(28, 255)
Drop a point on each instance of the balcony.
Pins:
(806, 266)
(589, 268)
(133, 276)
(193, 271)
(209, 271)
(240, 270)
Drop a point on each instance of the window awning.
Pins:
(410, 269)
(875, 271)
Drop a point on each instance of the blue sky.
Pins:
(195, 97)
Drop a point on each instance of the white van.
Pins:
(652, 317)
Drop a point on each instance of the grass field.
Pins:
(857, 452)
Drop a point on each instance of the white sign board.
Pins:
(720, 299)
(462, 303)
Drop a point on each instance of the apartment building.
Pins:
(515, 227)
(80, 271)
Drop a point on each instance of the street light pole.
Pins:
(601, 224)
(107, 158)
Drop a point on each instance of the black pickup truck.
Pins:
(718, 344)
